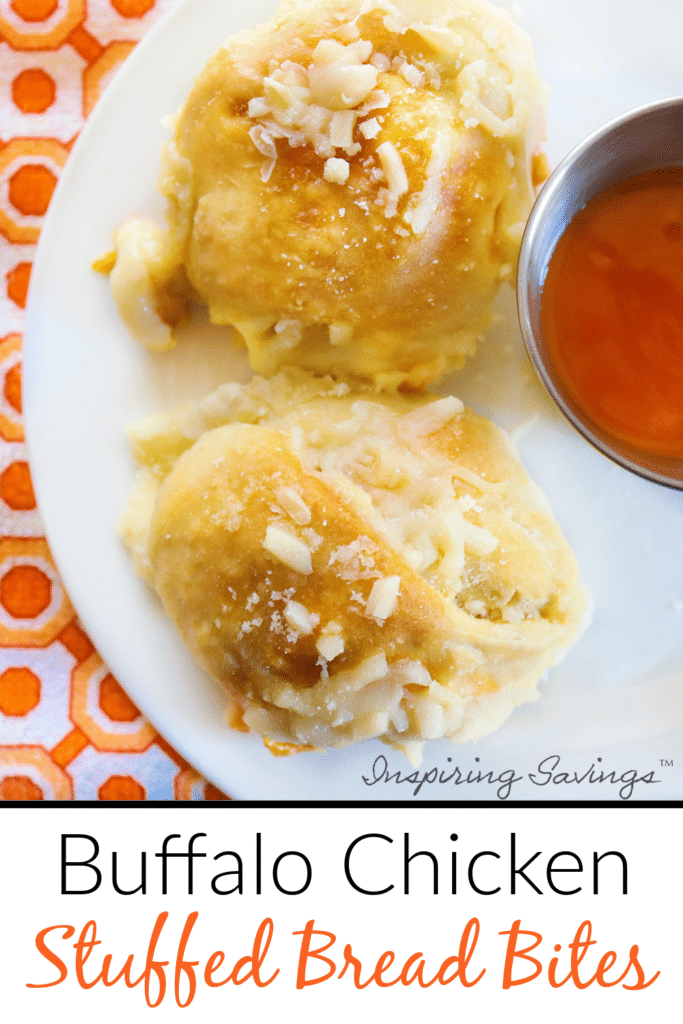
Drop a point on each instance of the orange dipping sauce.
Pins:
(612, 311)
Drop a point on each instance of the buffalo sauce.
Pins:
(612, 311)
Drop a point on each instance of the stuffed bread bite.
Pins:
(351, 566)
(347, 187)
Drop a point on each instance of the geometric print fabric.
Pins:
(67, 729)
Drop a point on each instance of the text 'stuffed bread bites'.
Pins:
(347, 187)
(351, 566)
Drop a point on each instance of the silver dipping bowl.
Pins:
(642, 140)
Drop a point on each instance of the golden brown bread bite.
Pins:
(349, 566)
(347, 187)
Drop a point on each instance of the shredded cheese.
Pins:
(288, 549)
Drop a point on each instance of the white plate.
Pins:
(618, 695)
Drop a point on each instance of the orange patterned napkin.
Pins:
(67, 729)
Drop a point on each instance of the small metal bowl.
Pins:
(642, 140)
